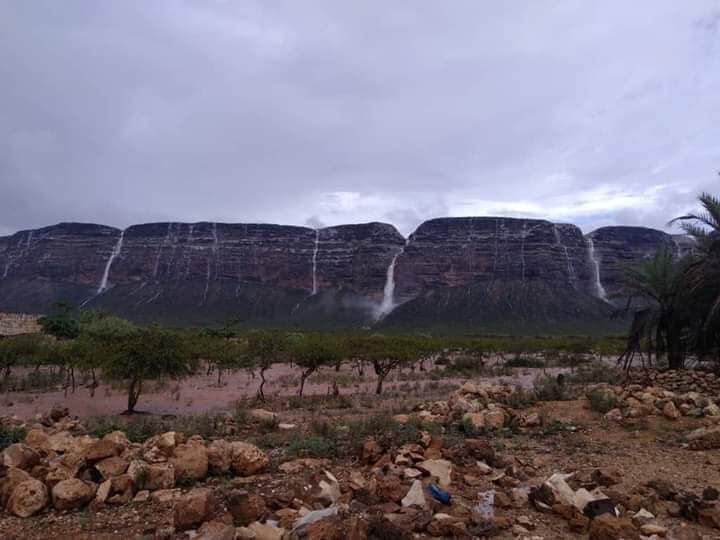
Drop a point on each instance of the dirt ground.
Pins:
(573, 439)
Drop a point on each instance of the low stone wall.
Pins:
(12, 324)
(681, 381)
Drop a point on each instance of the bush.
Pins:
(315, 446)
(524, 362)
(547, 388)
(602, 401)
(10, 435)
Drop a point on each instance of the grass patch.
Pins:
(11, 435)
(602, 401)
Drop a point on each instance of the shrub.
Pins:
(602, 401)
(11, 435)
(524, 362)
(315, 446)
(547, 388)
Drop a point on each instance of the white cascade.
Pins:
(165, 241)
(113, 255)
(314, 263)
(599, 289)
(388, 301)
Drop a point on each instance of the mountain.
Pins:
(480, 274)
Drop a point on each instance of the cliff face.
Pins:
(483, 274)
(453, 252)
(617, 248)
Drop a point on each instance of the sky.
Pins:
(323, 112)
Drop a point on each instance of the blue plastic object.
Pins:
(439, 494)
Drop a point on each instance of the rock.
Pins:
(102, 449)
(642, 517)
(371, 451)
(606, 477)
(141, 496)
(164, 496)
(261, 415)
(219, 455)
(316, 515)
(670, 411)
(62, 442)
(167, 442)
(711, 410)
(710, 517)
(415, 496)
(28, 498)
(246, 507)
(608, 527)
(710, 494)
(439, 468)
(264, 532)
(704, 438)
(152, 476)
(38, 440)
(215, 530)
(190, 461)
(284, 426)
(247, 459)
(72, 493)
(112, 466)
(58, 412)
(103, 492)
(650, 529)
(324, 529)
(118, 438)
(193, 508)
(20, 456)
(614, 415)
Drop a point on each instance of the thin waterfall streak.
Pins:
(388, 301)
(599, 289)
(314, 263)
(113, 255)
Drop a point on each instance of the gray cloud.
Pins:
(330, 112)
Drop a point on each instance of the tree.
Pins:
(385, 354)
(703, 273)
(662, 316)
(136, 355)
(311, 352)
(61, 322)
(264, 348)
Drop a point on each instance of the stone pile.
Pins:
(481, 405)
(59, 465)
(635, 401)
(679, 380)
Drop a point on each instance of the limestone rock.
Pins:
(28, 498)
(190, 461)
(21, 456)
(219, 455)
(72, 493)
(247, 459)
(193, 508)
(415, 496)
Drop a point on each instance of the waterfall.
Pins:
(314, 263)
(570, 269)
(599, 289)
(523, 234)
(388, 301)
(23, 252)
(165, 240)
(106, 273)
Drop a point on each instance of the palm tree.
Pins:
(661, 318)
(703, 272)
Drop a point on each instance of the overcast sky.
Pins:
(326, 112)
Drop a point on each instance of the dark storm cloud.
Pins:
(333, 112)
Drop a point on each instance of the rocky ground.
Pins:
(482, 461)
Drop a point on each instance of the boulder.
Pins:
(38, 440)
(439, 468)
(219, 455)
(28, 498)
(705, 438)
(670, 411)
(193, 508)
(190, 461)
(609, 527)
(152, 476)
(261, 415)
(21, 456)
(245, 507)
(102, 449)
(215, 530)
(260, 531)
(247, 459)
(118, 438)
(112, 466)
(72, 493)
(11, 478)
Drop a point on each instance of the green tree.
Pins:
(137, 355)
(662, 316)
(61, 322)
(311, 352)
(264, 348)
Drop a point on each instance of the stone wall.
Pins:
(12, 324)
(683, 380)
